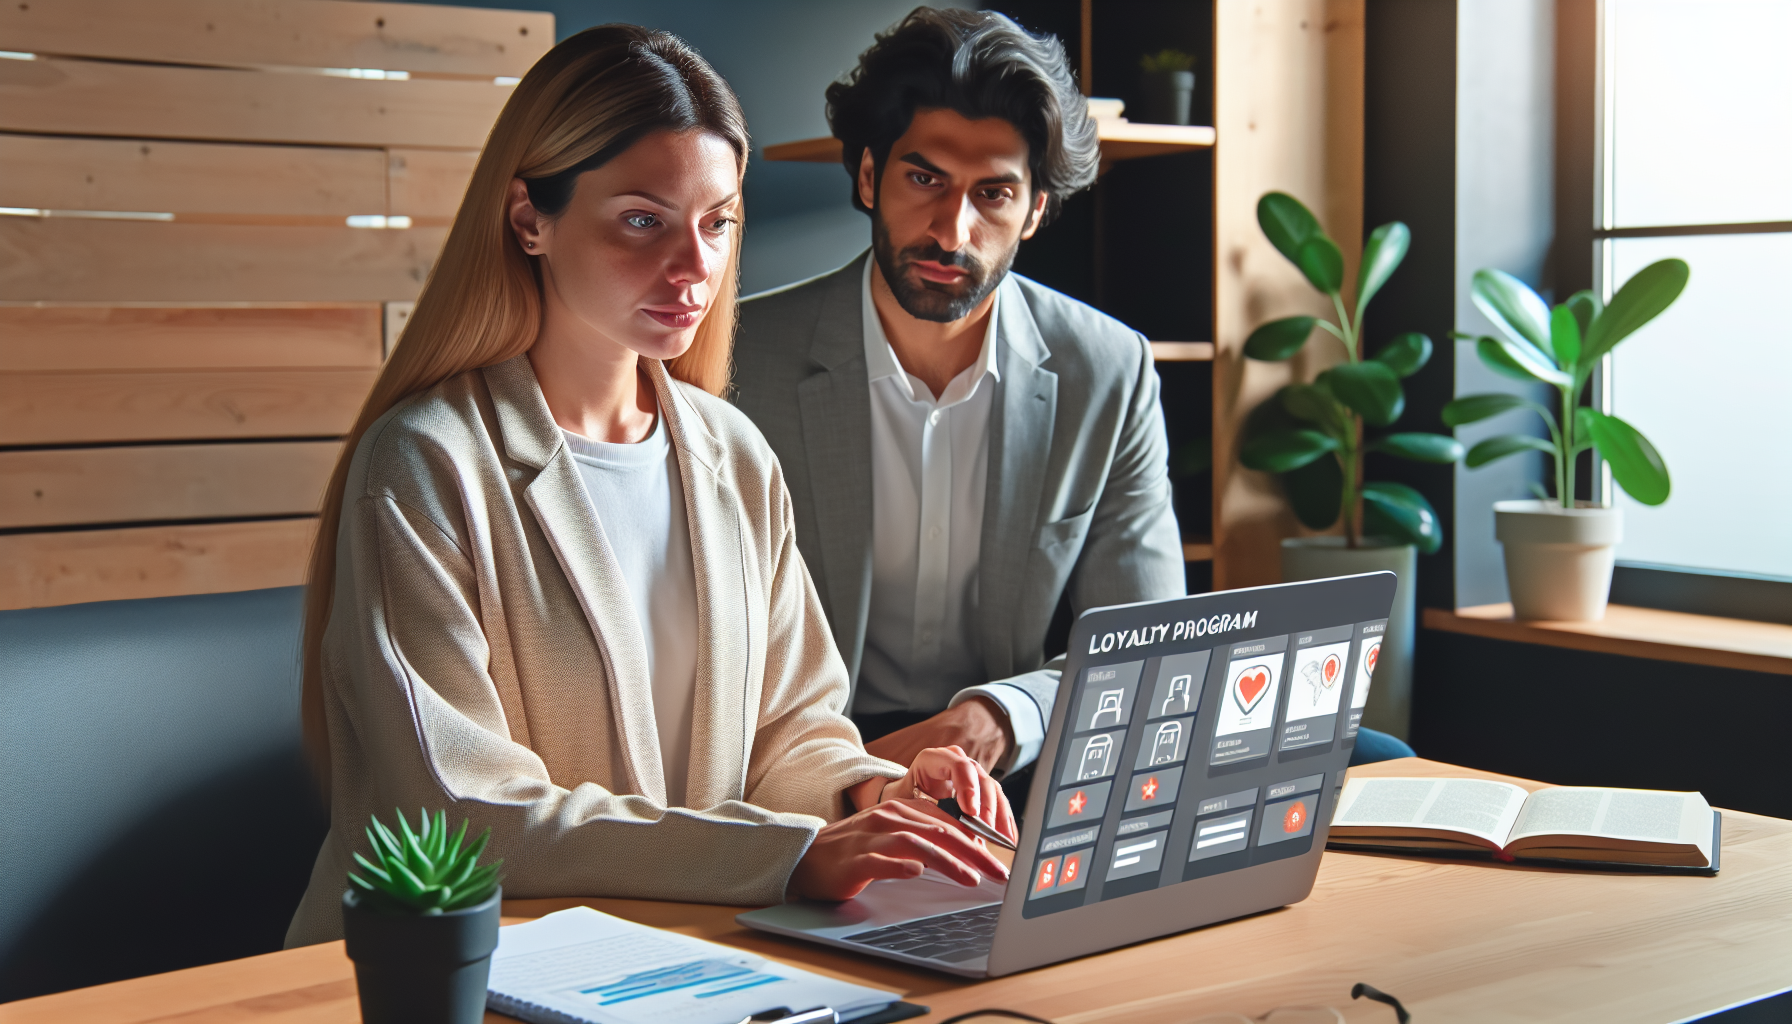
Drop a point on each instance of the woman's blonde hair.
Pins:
(581, 105)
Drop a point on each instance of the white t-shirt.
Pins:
(639, 499)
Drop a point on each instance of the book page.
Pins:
(1476, 807)
(1638, 815)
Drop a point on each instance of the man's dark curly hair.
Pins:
(980, 64)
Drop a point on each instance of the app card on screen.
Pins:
(1366, 661)
(1316, 686)
(1093, 757)
(1247, 705)
(1178, 689)
(1165, 743)
(1079, 805)
(1108, 692)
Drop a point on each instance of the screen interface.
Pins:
(1200, 746)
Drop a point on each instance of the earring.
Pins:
(528, 245)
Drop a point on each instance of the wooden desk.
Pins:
(1457, 941)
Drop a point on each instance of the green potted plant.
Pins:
(1166, 87)
(1559, 551)
(421, 920)
(1315, 435)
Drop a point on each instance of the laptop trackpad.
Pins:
(884, 903)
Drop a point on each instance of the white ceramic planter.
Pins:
(1558, 560)
(1390, 691)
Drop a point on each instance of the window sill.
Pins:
(1637, 633)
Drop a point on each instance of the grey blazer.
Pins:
(1079, 489)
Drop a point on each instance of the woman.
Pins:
(556, 589)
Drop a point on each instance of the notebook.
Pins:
(1630, 828)
(579, 965)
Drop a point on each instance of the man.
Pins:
(963, 446)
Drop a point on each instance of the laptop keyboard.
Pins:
(953, 938)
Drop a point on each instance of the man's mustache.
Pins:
(932, 251)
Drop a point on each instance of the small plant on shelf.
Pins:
(426, 871)
(1561, 347)
(1166, 60)
(1315, 435)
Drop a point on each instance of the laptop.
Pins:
(1189, 775)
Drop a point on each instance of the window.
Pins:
(1696, 162)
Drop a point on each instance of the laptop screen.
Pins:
(1198, 736)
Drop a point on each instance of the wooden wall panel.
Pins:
(428, 183)
(79, 97)
(46, 172)
(91, 336)
(94, 408)
(1288, 110)
(40, 569)
(63, 486)
(313, 33)
(51, 259)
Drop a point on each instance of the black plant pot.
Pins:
(421, 967)
(1164, 97)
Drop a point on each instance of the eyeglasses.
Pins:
(1279, 1015)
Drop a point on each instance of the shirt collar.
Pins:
(881, 361)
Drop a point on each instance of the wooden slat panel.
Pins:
(42, 569)
(45, 172)
(70, 486)
(77, 97)
(132, 261)
(84, 408)
(84, 336)
(426, 182)
(317, 33)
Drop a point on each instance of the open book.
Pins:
(1609, 827)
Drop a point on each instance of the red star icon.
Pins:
(1149, 790)
(1077, 802)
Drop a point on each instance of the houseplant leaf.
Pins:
(1315, 492)
(1312, 403)
(1516, 310)
(1284, 450)
(1286, 223)
(1406, 354)
(1586, 307)
(1642, 298)
(1369, 388)
(1419, 447)
(1322, 262)
(1564, 337)
(1503, 445)
(1382, 254)
(1279, 339)
(1475, 408)
(1636, 465)
(1519, 361)
(1398, 512)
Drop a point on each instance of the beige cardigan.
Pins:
(482, 658)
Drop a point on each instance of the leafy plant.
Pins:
(1314, 434)
(427, 871)
(1560, 347)
(1167, 60)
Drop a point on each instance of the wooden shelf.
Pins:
(1637, 633)
(1120, 140)
(1197, 549)
(1182, 351)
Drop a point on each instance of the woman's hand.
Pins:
(898, 838)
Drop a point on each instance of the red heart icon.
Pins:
(1252, 684)
(1330, 669)
(1369, 659)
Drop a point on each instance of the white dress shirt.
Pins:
(639, 499)
(929, 474)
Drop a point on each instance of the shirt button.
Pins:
(934, 417)
(933, 534)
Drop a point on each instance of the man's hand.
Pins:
(976, 727)
(893, 839)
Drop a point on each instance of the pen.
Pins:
(976, 825)
(782, 1015)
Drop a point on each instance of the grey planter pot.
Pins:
(1558, 560)
(1390, 691)
(421, 968)
(1165, 97)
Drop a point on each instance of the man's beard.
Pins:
(927, 300)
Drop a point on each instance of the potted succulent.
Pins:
(1315, 436)
(1166, 87)
(421, 920)
(1559, 551)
